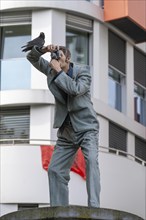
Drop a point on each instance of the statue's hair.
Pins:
(66, 51)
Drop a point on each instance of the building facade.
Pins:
(105, 42)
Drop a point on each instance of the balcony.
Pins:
(129, 16)
(21, 165)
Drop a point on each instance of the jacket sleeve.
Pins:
(75, 87)
(34, 57)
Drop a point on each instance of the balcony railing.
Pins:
(103, 149)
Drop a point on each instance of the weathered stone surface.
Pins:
(70, 213)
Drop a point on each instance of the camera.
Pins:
(55, 55)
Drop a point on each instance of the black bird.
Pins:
(38, 41)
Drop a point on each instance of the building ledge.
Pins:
(129, 27)
(26, 97)
(70, 212)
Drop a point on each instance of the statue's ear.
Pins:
(68, 59)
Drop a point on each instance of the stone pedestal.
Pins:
(70, 213)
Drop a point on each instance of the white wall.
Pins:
(123, 184)
(7, 208)
(23, 180)
(26, 97)
(100, 62)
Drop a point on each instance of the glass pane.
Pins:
(114, 95)
(13, 38)
(143, 112)
(139, 91)
(116, 80)
(78, 43)
(114, 75)
(15, 74)
(140, 109)
(140, 104)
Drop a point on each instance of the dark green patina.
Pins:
(70, 213)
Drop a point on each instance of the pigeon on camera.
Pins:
(39, 41)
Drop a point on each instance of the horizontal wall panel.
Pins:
(15, 18)
(79, 23)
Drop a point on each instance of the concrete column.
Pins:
(100, 62)
(40, 124)
(130, 82)
(52, 23)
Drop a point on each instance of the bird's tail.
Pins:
(25, 49)
(24, 46)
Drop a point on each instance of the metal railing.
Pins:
(103, 149)
(26, 141)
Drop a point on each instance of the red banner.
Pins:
(77, 167)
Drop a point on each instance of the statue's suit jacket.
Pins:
(72, 95)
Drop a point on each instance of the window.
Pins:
(140, 86)
(140, 104)
(78, 44)
(78, 32)
(116, 73)
(101, 3)
(140, 149)
(140, 67)
(117, 138)
(15, 69)
(13, 38)
(14, 124)
(116, 81)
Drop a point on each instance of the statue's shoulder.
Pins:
(80, 67)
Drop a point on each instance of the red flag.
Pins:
(77, 167)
